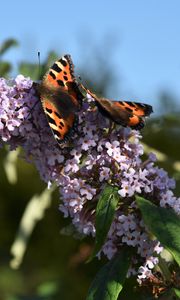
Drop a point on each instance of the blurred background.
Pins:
(126, 50)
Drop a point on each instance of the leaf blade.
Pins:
(177, 292)
(108, 282)
(105, 211)
(9, 43)
(164, 224)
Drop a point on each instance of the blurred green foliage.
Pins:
(5, 67)
(54, 264)
(36, 71)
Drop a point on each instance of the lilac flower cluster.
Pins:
(96, 155)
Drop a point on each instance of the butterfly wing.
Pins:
(61, 98)
(125, 113)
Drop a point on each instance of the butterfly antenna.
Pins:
(39, 64)
(84, 88)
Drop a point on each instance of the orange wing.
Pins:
(125, 113)
(61, 98)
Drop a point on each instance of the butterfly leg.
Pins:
(112, 126)
(110, 129)
(31, 109)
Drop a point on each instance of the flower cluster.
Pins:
(96, 155)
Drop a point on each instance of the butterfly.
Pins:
(61, 96)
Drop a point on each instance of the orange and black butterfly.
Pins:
(61, 96)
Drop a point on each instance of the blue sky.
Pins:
(143, 39)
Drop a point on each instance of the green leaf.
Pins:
(177, 292)
(7, 45)
(109, 280)
(164, 224)
(47, 289)
(5, 68)
(31, 70)
(52, 57)
(105, 211)
(36, 71)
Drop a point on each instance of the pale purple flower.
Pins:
(158, 248)
(130, 173)
(113, 150)
(76, 154)
(151, 262)
(88, 192)
(104, 174)
(152, 157)
(109, 249)
(127, 189)
(144, 273)
(72, 166)
(22, 82)
(87, 143)
(128, 222)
